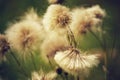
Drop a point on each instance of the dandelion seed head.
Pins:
(86, 18)
(73, 62)
(43, 76)
(98, 14)
(81, 21)
(97, 11)
(57, 16)
(24, 36)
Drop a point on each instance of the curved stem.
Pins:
(71, 37)
(18, 63)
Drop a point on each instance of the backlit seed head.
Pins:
(73, 62)
(43, 76)
(56, 17)
(24, 36)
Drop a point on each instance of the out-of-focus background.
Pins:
(11, 10)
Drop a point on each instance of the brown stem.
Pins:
(71, 37)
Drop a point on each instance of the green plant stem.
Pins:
(15, 58)
(96, 38)
(33, 61)
(103, 45)
(105, 55)
(71, 37)
(50, 62)
(18, 63)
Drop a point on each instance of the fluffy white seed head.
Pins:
(86, 18)
(43, 76)
(56, 17)
(75, 63)
(24, 36)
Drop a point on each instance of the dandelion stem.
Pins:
(15, 58)
(96, 38)
(105, 56)
(33, 61)
(18, 63)
(71, 37)
(103, 45)
(113, 45)
(50, 62)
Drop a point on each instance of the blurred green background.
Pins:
(11, 10)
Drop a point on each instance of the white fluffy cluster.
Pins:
(86, 18)
(73, 62)
(43, 76)
(56, 17)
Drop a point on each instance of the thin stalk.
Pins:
(103, 45)
(18, 63)
(50, 62)
(15, 58)
(33, 61)
(97, 38)
(105, 55)
(114, 44)
(71, 37)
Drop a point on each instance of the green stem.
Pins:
(18, 63)
(15, 58)
(103, 45)
(71, 37)
(50, 62)
(32, 59)
(97, 38)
